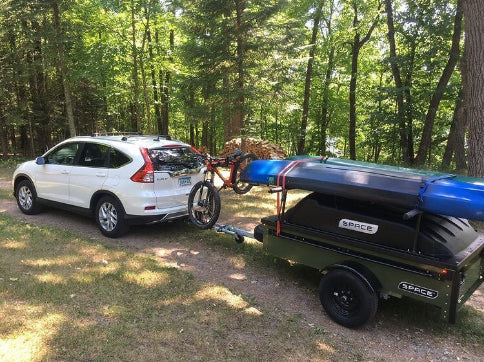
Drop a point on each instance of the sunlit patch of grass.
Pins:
(238, 261)
(14, 244)
(65, 260)
(27, 341)
(257, 203)
(50, 278)
(147, 278)
(326, 348)
(221, 294)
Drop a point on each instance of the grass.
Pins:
(67, 297)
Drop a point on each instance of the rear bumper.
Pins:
(148, 219)
(157, 215)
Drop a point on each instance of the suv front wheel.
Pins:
(27, 198)
(110, 217)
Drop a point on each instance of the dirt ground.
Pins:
(385, 338)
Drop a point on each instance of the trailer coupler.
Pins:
(238, 234)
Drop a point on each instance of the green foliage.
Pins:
(122, 68)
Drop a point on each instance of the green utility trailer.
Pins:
(366, 252)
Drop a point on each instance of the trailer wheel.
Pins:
(348, 300)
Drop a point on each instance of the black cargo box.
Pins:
(440, 237)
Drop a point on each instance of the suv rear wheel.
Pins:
(110, 217)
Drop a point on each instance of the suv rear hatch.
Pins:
(176, 169)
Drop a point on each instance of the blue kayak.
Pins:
(432, 192)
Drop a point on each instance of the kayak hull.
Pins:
(431, 192)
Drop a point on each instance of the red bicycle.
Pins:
(204, 198)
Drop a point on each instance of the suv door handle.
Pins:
(65, 172)
(101, 174)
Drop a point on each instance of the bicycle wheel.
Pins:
(203, 205)
(238, 186)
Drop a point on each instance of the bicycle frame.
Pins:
(212, 168)
(204, 199)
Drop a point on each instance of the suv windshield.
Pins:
(175, 159)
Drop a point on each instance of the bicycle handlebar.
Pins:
(222, 161)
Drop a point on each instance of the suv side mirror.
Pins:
(40, 161)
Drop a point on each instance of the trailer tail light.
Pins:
(146, 173)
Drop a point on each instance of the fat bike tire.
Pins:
(204, 205)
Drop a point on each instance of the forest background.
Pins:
(378, 80)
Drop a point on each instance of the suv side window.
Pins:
(117, 158)
(94, 155)
(63, 155)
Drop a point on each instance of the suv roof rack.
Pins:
(162, 137)
(125, 135)
(100, 134)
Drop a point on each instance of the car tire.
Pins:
(110, 217)
(348, 300)
(26, 196)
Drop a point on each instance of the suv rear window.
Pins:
(174, 159)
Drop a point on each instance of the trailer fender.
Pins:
(361, 271)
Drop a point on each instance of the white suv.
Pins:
(121, 180)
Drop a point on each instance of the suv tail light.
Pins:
(146, 173)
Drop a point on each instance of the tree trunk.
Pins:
(38, 94)
(154, 84)
(238, 120)
(212, 144)
(474, 97)
(355, 53)
(63, 69)
(401, 113)
(165, 95)
(191, 105)
(226, 106)
(409, 104)
(456, 140)
(276, 119)
(462, 119)
(192, 135)
(325, 104)
(307, 84)
(136, 86)
(426, 139)
(147, 108)
(3, 135)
